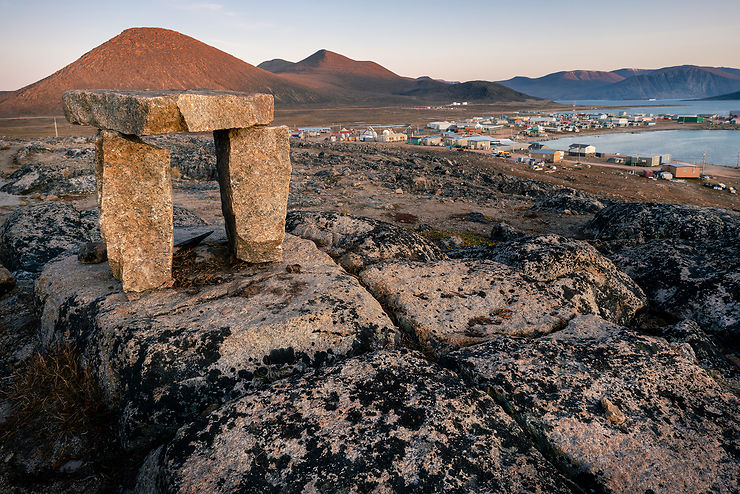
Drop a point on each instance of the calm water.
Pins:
(665, 106)
(721, 146)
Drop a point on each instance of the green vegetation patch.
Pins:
(469, 239)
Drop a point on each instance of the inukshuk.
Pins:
(134, 177)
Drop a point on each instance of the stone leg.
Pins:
(135, 205)
(254, 175)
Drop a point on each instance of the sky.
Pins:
(456, 40)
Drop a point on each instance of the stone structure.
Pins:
(133, 177)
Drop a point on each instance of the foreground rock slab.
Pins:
(163, 112)
(135, 203)
(620, 412)
(575, 269)
(453, 303)
(254, 175)
(164, 357)
(385, 422)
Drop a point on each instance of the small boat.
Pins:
(652, 99)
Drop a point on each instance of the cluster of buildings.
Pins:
(387, 134)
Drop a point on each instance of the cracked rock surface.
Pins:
(164, 357)
(621, 412)
(454, 303)
(575, 269)
(389, 421)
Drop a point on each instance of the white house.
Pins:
(440, 125)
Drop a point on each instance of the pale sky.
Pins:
(454, 40)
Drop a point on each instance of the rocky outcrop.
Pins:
(453, 303)
(708, 354)
(194, 156)
(357, 242)
(689, 279)
(34, 235)
(574, 269)
(385, 422)
(164, 357)
(578, 203)
(53, 166)
(50, 179)
(646, 221)
(685, 258)
(619, 411)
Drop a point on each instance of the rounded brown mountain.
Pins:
(151, 58)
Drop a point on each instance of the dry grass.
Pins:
(54, 396)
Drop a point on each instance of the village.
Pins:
(521, 138)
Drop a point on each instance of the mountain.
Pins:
(429, 89)
(368, 81)
(328, 69)
(156, 58)
(152, 58)
(563, 85)
(275, 65)
(685, 81)
(725, 97)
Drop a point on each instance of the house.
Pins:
(431, 141)
(536, 146)
(390, 136)
(416, 140)
(456, 141)
(643, 160)
(548, 155)
(682, 170)
(690, 119)
(369, 135)
(480, 142)
(440, 125)
(581, 150)
(619, 122)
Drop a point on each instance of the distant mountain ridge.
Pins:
(328, 69)
(684, 81)
(156, 58)
(725, 97)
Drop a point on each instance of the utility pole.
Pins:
(56, 132)
(703, 161)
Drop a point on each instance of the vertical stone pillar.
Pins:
(254, 175)
(135, 205)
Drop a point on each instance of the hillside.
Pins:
(370, 81)
(326, 69)
(152, 58)
(725, 97)
(563, 85)
(685, 81)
